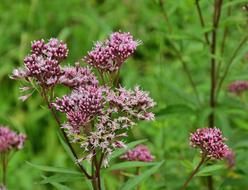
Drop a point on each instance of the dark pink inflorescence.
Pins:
(210, 141)
(10, 140)
(43, 63)
(238, 87)
(112, 53)
(139, 153)
(81, 106)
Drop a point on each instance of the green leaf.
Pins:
(176, 109)
(130, 164)
(187, 164)
(53, 169)
(133, 182)
(177, 91)
(210, 170)
(58, 178)
(121, 151)
(60, 186)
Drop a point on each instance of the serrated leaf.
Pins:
(130, 164)
(53, 169)
(121, 151)
(133, 182)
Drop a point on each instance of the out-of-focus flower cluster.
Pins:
(238, 87)
(2, 187)
(230, 158)
(210, 141)
(139, 153)
(9, 140)
(113, 52)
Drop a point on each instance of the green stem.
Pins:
(235, 53)
(138, 173)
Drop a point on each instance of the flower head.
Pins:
(139, 153)
(133, 102)
(77, 76)
(43, 62)
(112, 53)
(238, 87)
(10, 140)
(81, 105)
(210, 141)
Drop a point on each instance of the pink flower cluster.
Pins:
(81, 106)
(97, 117)
(93, 103)
(139, 153)
(43, 63)
(9, 140)
(238, 86)
(136, 103)
(210, 141)
(77, 76)
(112, 53)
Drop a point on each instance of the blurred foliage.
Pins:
(171, 32)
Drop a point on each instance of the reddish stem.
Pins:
(44, 95)
(193, 173)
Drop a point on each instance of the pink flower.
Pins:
(238, 86)
(43, 63)
(112, 53)
(133, 102)
(55, 49)
(10, 140)
(82, 105)
(77, 76)
(210, 141)
(230, 158)
(140, 153)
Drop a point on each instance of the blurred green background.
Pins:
(171, 32)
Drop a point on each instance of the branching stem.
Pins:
(199, 11)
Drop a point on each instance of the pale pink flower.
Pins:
(112, 53)
(77, 76)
